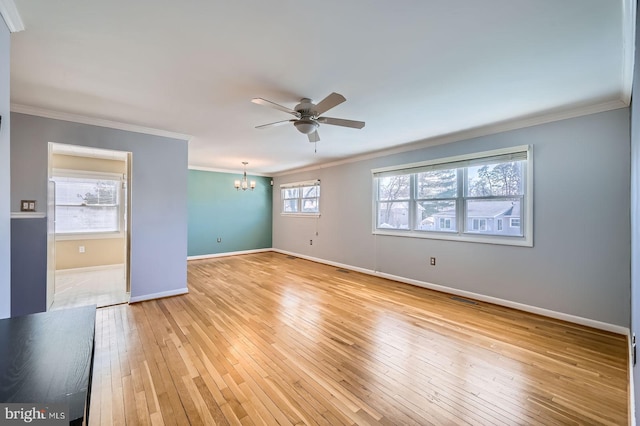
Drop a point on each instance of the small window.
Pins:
(515, 222)
(86, 205)
(301, 198)
(499, 224)
(479, 225)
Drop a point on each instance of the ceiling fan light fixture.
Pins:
(305, 125)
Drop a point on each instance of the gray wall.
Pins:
(158, 185)
(579, 264)
(5, 210)
(635, 215)
(28, 266)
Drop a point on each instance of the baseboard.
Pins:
(89, 269)
(468, 294)
(632, 394)
(160, 295)
(231, 253)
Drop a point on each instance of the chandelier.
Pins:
(243, 183)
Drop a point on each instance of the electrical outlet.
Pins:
(432, 261)
(80, 249)
(310, 242)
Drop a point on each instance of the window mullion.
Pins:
(460, 203)
(412, 201)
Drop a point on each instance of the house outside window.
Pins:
(463, 198)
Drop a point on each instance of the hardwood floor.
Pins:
(268, 339)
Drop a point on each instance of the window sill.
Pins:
(300, 214)
(89, 236)
(467, 238)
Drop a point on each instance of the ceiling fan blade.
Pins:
(329, 102)
(314, 136)
(341, 122)
(264, 102)
(277, 123)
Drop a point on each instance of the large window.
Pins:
(483, 197)
(88, 204)
(301, 198)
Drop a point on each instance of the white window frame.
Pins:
(526, 208)
(445, 223)
(300, 199)
(68, 236)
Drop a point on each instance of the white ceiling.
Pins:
(414, 70)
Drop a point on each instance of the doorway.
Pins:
(88, 228)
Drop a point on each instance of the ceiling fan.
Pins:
(309, 115)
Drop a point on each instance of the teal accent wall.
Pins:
(242, 219)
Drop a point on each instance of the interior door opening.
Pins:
(88, 227)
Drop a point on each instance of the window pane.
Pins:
(394, 187)
(71, 219)
(289, 193)
(290, 206)
(310, 191)
(436, 216)
(393, 215)
(488, 216)
(310, 205)
(87, 205)
(495, 180)
(437, 184)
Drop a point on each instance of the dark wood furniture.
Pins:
(48, 358)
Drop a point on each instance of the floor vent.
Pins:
(291, 257)
(344, 271)
(463, 300)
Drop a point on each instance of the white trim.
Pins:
(300, 184)
(468, 294)
(89, 269)
(76, 118)
(226, 254)
(300, 214)
(467, 237)
(632, 396)
(89, 174)
(28, 215)
(177, 292)
(490, 129)
(228, 171)
(11, 15)
(78, 236)
(628, 48)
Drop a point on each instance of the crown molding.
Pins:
(229, 171)
(503, 126)
(75, 118)
(9, 12)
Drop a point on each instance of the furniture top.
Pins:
(47, 358)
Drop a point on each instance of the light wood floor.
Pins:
(267, 339)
